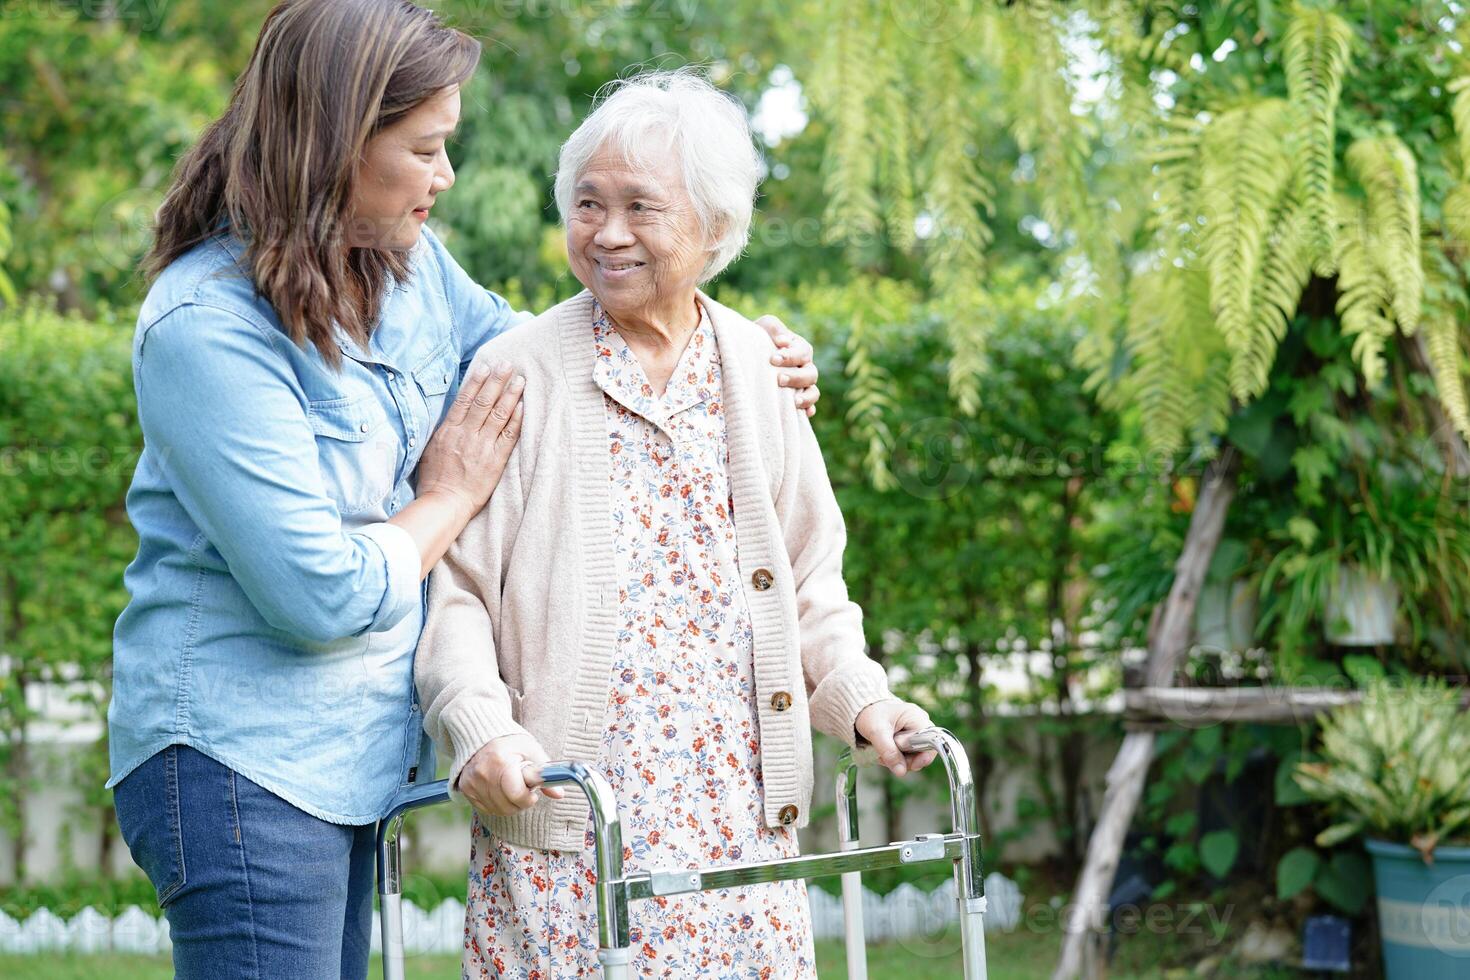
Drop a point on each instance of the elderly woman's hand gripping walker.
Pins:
(664, 600)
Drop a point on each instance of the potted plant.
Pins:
(1393, 552)
(1396, 767)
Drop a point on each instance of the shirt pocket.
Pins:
(357, 450)
(435, 375)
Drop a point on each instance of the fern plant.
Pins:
(1249, 186)
(1315, 52)
(1397, 765)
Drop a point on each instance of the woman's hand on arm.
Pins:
(795, 355)
(882, 721)
(464, 460)
(501, 778)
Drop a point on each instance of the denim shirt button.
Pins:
(363, 427)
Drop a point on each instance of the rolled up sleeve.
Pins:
(401, 564)
(228, 421)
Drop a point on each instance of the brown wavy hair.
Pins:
(278, 167)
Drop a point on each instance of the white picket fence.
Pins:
(906, 911)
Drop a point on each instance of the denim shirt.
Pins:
(273, 612)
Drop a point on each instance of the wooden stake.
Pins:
(1086, 924)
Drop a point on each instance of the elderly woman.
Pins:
(665, 601)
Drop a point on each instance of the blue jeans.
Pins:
(253, 887)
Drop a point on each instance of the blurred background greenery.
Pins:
(1055, 258)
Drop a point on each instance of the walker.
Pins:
(616, 891)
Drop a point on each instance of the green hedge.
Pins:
(69, 441)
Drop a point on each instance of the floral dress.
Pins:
(682, 743)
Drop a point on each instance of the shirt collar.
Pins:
(696, 378)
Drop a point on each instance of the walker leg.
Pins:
(852, 925)
(965, 813)
(614, 947)
(392, 916)
(972, 937)
(852, 881)
(390, 898)
(615, 962)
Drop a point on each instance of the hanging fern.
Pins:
(894, 138)
(1177, 356)
(959, 194)
(7, 288)
(1246, 158)
(870, 399)
(1043, 124)
(1444, 306)
(1364, 290)
(1315, 50)
(1457, 202)
(852, 214)
(1284, 272)
(967, 315)
(1460, 113)
(1389, 176)
(1241, 198)
(1457, 214)
(959, 199)
(1173, 162)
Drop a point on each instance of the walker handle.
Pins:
(908, 742)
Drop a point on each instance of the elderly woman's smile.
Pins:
(635, 239)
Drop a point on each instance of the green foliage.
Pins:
(1218, 850)
(95, 113)
(1189, 766)
(68, 442)
(1398, 531)
(1345, 881)
(1253, 189)
(1295, 871)
(1396, 765)
(1315, 49)
(1245, 159)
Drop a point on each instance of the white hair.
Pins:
(655, 114)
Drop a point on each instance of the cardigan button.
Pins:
(787, 815)
(781, 700)
(762, 579)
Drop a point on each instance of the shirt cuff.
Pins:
(842, 696)
(401, 561)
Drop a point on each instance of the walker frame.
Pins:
(616, 891)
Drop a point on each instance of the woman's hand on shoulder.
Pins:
(881, 721)
(795, 355)
(502, 777)
(467, 454)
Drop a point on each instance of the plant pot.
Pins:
(1225, 615)
(1362, 609)
(1423, 911)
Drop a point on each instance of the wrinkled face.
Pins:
(633, 236)
(404, 168)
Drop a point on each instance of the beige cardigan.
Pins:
(520, 629)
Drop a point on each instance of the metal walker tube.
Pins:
(616, 891)
(965, 825)
(613, 951)
(390, 872)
